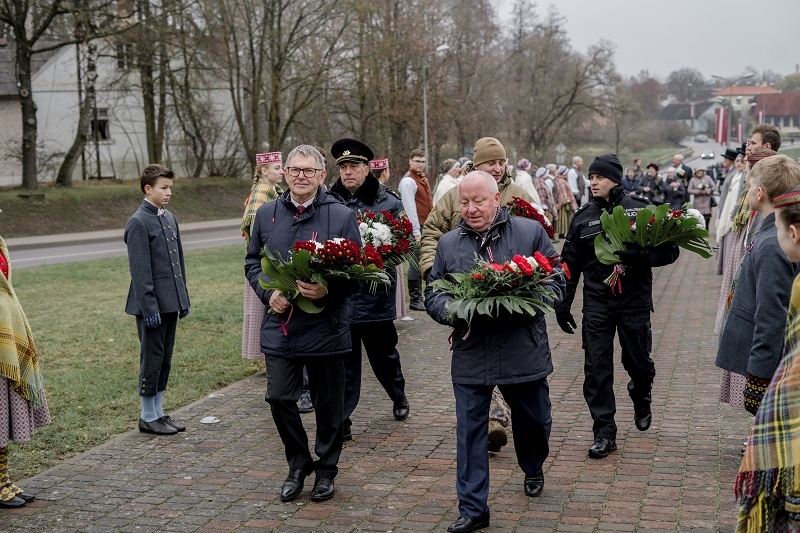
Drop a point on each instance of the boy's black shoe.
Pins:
(168, 420)
(602, 447)
(158, 426)
(465, 525)
(642, 416)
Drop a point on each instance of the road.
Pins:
(64, 249)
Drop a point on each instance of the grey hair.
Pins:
(679, 157)
(576, 158)
(550, 166)
(308, 151)
(479, 175)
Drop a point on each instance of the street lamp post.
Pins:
(440, 48)
(731, 83)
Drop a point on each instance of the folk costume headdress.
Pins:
(262, 192)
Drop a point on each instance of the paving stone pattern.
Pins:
(400, 476)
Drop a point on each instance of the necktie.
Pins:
(162, 213)
(301, 209)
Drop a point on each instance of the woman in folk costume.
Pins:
(23, 405)
(743, 224)
(567, 204)
(265, 189)
(380, 169)
(768, 484)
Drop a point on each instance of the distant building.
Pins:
(697, 116)
(741, 96)
(780, 110)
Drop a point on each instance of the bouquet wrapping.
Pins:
(519, 207)
(654, 226)
(390, 236)
(317, 262)
(518, 286)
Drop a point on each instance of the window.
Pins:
(126, 56)
(100, 129)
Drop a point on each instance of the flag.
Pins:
(721, 126)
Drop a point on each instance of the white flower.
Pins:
(532, 262)
(514, 266)
(697, 215)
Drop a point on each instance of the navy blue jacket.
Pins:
(372, 196)
(277, 226)
(508, 349)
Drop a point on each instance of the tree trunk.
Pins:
(29, 180)
(82, 136)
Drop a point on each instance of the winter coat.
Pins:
(674, 197)
(578, 254)
(447, 213)
(630, 186)
(278, 226)
(654, 183)
(702, 189)
(753, 337)
(565, 195)
(508, 349)
(365, 306)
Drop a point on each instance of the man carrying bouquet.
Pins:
(371, 312)
(626, 312)
(292, 337)
(507, 350)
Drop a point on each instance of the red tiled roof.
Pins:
(746, 90)
(778, 105)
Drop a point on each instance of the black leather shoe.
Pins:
(400, 410)
(293, 485)
(642, 416)
(602, 447)
(158, 426)
(168, 420)
(416, 305)
(304, 404)
(13, 503)
(27, 497)
(534, 485)
(323, 490)
(465, 525)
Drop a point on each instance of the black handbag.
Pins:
(713, 201)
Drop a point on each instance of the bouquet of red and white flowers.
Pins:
(654, 226)
(518, 286)
(388, 235)
(314, 261)
(519, 207)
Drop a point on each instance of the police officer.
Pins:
(371, 314)
(604, 313)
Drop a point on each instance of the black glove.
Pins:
(566, 322)
(185, 312)
(153, 321)
(634, 255)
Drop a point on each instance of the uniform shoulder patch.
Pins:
(395, 194)
(581, 208)
(640, 199)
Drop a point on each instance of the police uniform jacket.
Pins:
(155, 256)
(507, 349)
(277, 226)
(364, 305)
(578, 254)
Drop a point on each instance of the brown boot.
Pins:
(497, 436)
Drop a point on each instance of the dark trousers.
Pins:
(155, 353)
(530, 422)
(413, 272)
(326, 382)
(635, 337)
(380, 343)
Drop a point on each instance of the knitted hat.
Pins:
(790, 198)
(269, 157)
(488, 149)
(523, 164)
(541, 171)
(447, 165)
(562, 170)
(379, 164)
(608, 166)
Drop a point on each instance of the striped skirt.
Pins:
(563, 220)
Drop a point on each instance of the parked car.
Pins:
(707, 155)
(701, 138)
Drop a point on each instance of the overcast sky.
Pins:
(713, 36)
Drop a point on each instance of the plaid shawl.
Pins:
(769, 478)
(18, 360)
(261, 193)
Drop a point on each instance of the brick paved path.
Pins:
(399, 476)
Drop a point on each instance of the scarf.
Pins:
(769, 478)
(261, 193)
(18, 360)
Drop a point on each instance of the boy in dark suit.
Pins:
(157, 295)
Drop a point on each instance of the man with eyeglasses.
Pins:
(371, 313)
(292, 338)
(415, 192)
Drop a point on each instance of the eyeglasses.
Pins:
(307, 172)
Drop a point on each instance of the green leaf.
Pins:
(307, 305)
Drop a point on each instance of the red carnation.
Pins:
(565, 268)
(543, 262)
(523, 264)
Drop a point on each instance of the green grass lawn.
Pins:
(793, 152)
(89, 350)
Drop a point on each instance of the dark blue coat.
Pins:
(372, 196)
(278, 227)
(502, 350)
